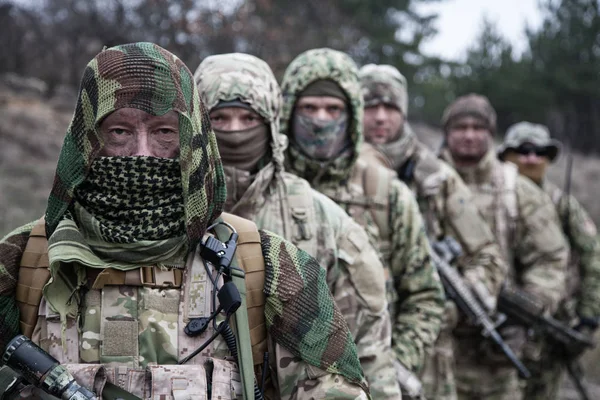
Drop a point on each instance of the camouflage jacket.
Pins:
(130, 332)
(525, 224)
(583, 281)
(286, 204)
(399, 235)
(446, 204)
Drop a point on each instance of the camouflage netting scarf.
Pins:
(143, 76)
(149, 78)
(134, 198)
(300, 312)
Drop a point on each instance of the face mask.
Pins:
(243, 149)
(321, 139)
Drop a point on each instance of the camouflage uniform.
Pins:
(448, 209)
(582, 303)
(128, 328)
(381, 204)
(286, 204)
(526, 228)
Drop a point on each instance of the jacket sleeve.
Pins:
(541, 251)
(583, 239)
(360, 293)
(11, 250)
(481, 260)
(296, 379)
(418, 312)
(316, 354)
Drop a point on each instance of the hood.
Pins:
(310, 66)
(237, 76)
(147, 77)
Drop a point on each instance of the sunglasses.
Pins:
(525, 150)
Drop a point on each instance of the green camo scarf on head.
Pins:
(147, 77)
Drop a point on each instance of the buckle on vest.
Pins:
(300, 216)
(157, 278)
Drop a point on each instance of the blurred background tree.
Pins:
(556, 81)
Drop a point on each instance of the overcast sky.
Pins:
(459, 23)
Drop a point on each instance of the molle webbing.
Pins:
(376, 183)
(34, 272)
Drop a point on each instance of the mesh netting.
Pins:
(149, 78)
(300, 311)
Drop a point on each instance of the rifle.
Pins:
(26, 363)
(525, 310)
(444, 252)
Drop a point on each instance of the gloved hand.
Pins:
(587, 325)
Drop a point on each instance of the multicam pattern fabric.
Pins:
(384, 84)
(139, 69)
(526, 132)
(582, 236)
(537, 254)
(128, 208)
(149, 78)
(285, 204)
(246, 78)
(299, 312)
(308, 67)
(417, 314)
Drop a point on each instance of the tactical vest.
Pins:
(122, 310)
(366, 198)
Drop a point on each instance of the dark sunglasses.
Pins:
(525, 150)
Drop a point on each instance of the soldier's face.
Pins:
(531, 163)
(133, 132)
(232, 119)
(468, 138)
(324, 108)
(382, 123)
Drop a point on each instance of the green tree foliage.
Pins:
(555, 82)
(67, 33)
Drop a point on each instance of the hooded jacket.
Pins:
(417, 309)
(285, 204)
(140, 328)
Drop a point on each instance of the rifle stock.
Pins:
(442, 255)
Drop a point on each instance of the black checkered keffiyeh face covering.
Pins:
(134, 198)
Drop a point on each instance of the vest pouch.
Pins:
(178, 382)
(226, 381)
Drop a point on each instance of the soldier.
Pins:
(322, 117)
(244, 100)
(445, 201)
(529, 147)
(526, 227)
(133, 225)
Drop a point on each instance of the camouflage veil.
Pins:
(147, 77)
